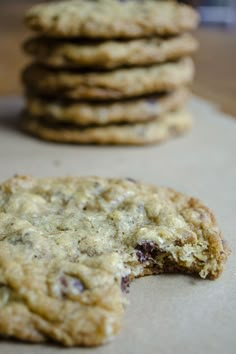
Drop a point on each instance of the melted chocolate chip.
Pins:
(146, 251)
(64, 282)
(159, 261)
(125, 283)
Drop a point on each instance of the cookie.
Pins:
(74, 302)
(111, 18)
(103, 85)
(131, 110)
(69, 246)
(109, 54)
(155, 131)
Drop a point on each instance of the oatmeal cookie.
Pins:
(70, 246)
(104, 85)
(130, 110)
(109, 54)
(154, 131)
(111, 18)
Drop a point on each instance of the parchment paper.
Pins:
(169, 313)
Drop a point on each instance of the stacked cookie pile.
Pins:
(109, 71)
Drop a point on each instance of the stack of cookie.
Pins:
(109, 71)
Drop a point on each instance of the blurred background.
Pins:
(216, 12)
(216, 69)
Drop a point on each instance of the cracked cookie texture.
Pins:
(131, 110)
(71, 246)
(154, 131)
(109, 54)
(103, 85)
(111, 18)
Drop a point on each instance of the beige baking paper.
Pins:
(168, 314)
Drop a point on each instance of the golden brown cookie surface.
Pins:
(103, 85)
(109, 54)
(131, 110)
(155, 131)
(111, 18)
(68, 246)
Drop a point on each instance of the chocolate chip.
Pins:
(70, 285)
(146, 251)
(64, 281)
(131, 180)
(125, 283)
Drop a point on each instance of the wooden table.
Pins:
(215, 61)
